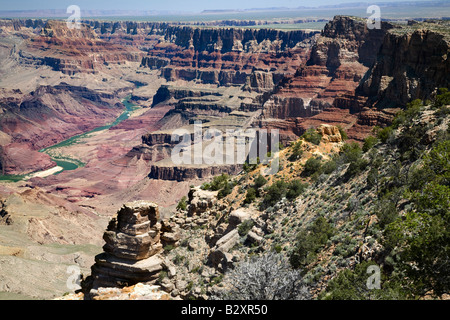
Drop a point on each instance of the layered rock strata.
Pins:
(78, 50)
(131, 252)
(258, 59)
(339, 60)
(192, 172)
(411, 65)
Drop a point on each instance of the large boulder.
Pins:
(219, 254)
(201, 200)
(237, 217)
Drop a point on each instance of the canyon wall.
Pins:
(227, 56)
(338, 61)
(79, 50)
(367, 74)
(71, 51)
(410, 65)
(290, 80)
(183, 173)
(334, 85)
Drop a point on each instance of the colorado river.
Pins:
(65, 163)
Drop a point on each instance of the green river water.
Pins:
(69, 164)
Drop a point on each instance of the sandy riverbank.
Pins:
(45, 173)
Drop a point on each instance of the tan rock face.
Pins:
(223, 246)
(329, 133)
(201, 200)
(238, 216)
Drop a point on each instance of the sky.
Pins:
(163, 5)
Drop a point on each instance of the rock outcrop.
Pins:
(410, 65)
(329, 133)
(131, 252)
(138, 292)
(5, 217)
(166, 92)
(201, 200)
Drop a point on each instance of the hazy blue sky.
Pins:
(177, 5)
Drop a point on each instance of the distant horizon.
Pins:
(194, 7)
(391, 11)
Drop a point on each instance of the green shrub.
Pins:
(355, 168)
(206, 186)
(251, 196)
(245, 227)
(405, 117)
(386, 211)
(169, 248)
(384, 134)
(273, 194)
(329, 166)
(410, 141)
(295, 188)
(219, 182)
(343, 133)
(369, 142)
(310, 241)
(216, 280)
(442, 112)
(312, 166)
(226, 190)
(277, 248)
(346, 248)
(162, 275)
(421, 237)
(422, 240)
(352, 285)
(190, 286)
(442, 99)
(297, 151)
(352, 154)
(178, 259)
(259, 182)
(373, 178)
(312, 136)
(182, 205)
(251, 165)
